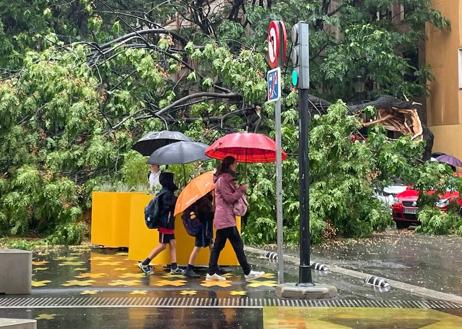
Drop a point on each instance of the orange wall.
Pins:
(444, 105)
(444, 102)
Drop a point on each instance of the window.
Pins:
(460, 68)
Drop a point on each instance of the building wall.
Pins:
(444, 105)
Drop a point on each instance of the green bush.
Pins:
(69, 234)
(20, 244)
(435, 221)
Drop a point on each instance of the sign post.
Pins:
(277, 47)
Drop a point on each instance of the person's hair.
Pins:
(225, 166)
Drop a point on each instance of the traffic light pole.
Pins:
(304, 275)
(301, 40)
(305, 288)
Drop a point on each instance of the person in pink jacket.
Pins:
(227, 193)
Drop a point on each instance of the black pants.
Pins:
(231, 234)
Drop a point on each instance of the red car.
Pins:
(405, 209)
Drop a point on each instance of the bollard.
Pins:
(377, 282)
(271, 256)
(319, 267)
(382, 289)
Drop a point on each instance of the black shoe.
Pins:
(191, 274)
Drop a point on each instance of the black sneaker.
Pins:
(147, 269)
(191, 274)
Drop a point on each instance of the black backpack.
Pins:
(152, 212)
(192, 226)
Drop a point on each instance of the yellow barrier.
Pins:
(118, 221)
(143, 240)
(110, 216)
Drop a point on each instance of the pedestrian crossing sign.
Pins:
(274, 84)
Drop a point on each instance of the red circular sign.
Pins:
(273, 44)
(276, 32)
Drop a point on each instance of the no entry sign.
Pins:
(277, 43)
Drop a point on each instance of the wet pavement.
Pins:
(433, 262)
(268, 318)
(84, 288)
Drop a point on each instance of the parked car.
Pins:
(405, 208)
(388, 195)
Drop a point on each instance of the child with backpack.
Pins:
(159, 214)
(198, 221)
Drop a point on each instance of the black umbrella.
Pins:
(179, 153)
(157, 139)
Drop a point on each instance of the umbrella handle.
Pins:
(184, 176)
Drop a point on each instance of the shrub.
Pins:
(20, 244)
(69, 234)
(435, 221)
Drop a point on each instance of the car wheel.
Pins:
(402, 225)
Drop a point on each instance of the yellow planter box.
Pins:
(142, 240)
(118, 221)
(110, 218)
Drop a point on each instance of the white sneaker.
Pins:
(214, 277)
(254, 275)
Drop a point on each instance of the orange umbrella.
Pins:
(196, 189)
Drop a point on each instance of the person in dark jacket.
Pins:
(202, 211)
(227, 193)
(167, 225)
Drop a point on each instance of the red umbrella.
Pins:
(244, 147)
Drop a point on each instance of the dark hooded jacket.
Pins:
(167, 203)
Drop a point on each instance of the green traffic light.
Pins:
(294, 78)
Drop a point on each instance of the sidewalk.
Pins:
(433, 262)
(102, 272)
(83, 288)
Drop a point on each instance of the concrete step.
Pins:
(17, 324)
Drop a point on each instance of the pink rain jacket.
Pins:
(226, 194)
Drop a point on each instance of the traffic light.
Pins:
(300, 56)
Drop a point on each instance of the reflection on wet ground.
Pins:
(252, 318)
(108, 272)
(433, 262)
(358, 318)
(105, 272)
(141, 318)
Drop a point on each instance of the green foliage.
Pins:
(20, 244)
(67, 124)
(438, 222)
(353, 43)
(341, 195)
(134, 169)
(69, 234)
